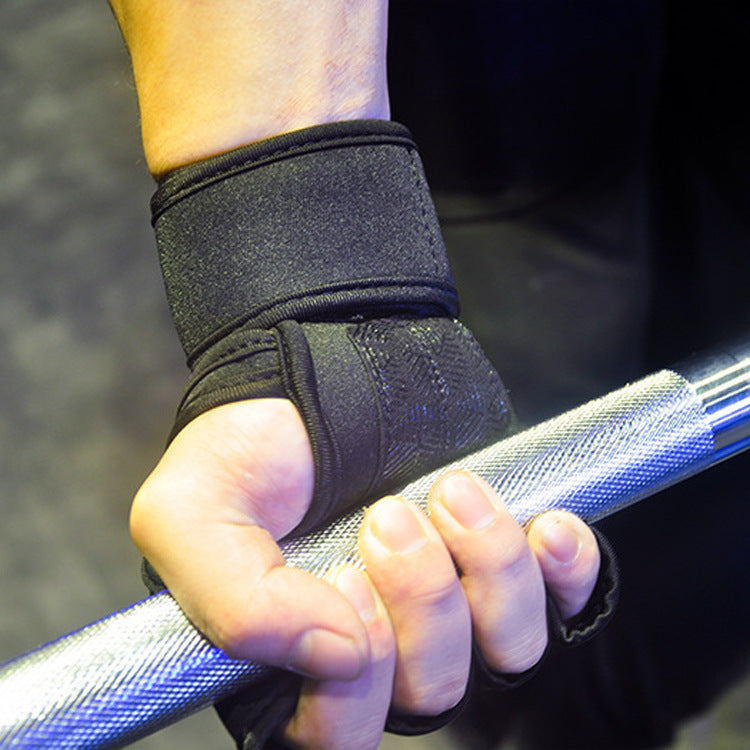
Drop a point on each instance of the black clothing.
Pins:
(589, 163)
(310, 266)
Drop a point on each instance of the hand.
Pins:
(240, 476)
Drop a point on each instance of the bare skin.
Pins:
(217, 74)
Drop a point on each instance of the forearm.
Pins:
(215, 75)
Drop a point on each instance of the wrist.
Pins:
(345, 225)
(188, 141)
(211, 77)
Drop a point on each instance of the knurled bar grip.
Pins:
(140, 669)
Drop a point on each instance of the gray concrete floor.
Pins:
(90, 369)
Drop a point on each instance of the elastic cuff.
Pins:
(505, 680)
(601, 605)
(574, 631)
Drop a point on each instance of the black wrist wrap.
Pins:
(311, 266)
(316, 224)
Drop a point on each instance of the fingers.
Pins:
(398, 637)
(500, 574)
(351, 714)
(418, 625)
(416, 578)
(206, 519)
(418, 613)
(504, 571)
(569, 558)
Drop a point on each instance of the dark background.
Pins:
(90, 369)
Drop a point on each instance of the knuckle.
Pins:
(511, 556)
(151, 510)
(436, 591)
(314, 732)
(365, 734)
(230, 633)
(434, 698)
(523, 654)
(382, 640)
(529, 655)
(141, 512)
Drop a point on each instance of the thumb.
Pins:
(207, 518)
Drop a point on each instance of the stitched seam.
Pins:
(230, 356)
(261, 312)
(198, 391)
(255, 347)
(233, 355)
(428, 232)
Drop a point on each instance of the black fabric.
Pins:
(602, 604)
(323, 222)
(253, 716)
(594, 204)
(332, 225)
(151, 579)
(589, 622)
(383, 400)
(515, 101)
(410, 725)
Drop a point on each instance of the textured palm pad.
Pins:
(146, 667)
(437, 397)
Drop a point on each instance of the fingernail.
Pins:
(355, 586)
(464, 498)
(560, 541)
(394, 525)
(322, 653)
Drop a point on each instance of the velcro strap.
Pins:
(314, 224)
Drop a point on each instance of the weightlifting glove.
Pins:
(311, 267)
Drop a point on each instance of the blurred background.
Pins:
(90, 369)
